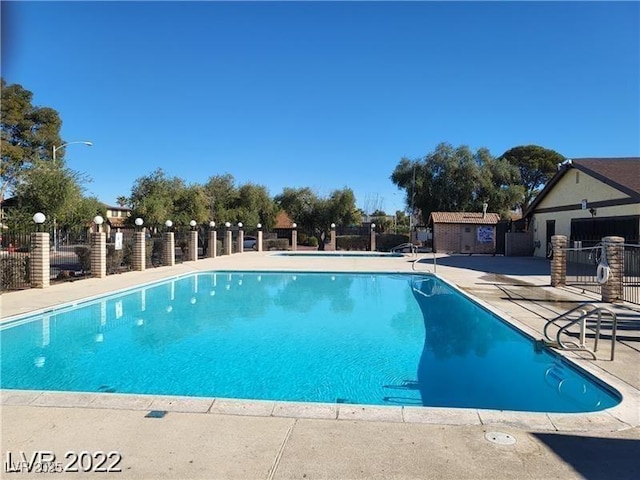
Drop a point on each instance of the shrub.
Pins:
(149, 245)
(183, 245)
(84, 257)
(311, 242)
(276, 244)
(353, 242)
(386, 241)
(114, 258)
(14, 271)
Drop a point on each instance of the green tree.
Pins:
(458, 180)
(248, 203)
(153, 196)
(383, 224)
(222, 196)
(255, 205)
(499, 184)
(536, 164)
(444, 180)
(190, 203)
(55, 191)
(315, 213)
(28, 134)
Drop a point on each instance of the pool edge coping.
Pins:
(602, 421)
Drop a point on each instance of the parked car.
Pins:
(250, 243)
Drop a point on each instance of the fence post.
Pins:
(139, 255)
(169, 248)
(213, 242)
(294, 237)
(98, 255)
(240, 238)
(39, 268)
(259, 237)
(559, 260)
(613, 288)
(193, 246)
(333, 237)
(229, 239)
(373, 237)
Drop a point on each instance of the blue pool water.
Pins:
(382, 339)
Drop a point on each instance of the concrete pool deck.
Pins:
(222, 438)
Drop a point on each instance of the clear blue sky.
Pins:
(323, 94)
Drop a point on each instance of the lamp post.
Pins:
(39, 269)
(55, 149)
(98, 220)
(212, 251)
(39, 219)
(168, 244)
(228, 249)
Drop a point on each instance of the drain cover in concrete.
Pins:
(500, 438)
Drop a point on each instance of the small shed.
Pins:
(464, 232)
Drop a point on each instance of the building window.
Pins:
(577, 177)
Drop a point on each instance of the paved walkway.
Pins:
(206, 438)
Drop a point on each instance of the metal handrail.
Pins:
(417, 260)
(565, 314)
(586, 314)
(405, 245)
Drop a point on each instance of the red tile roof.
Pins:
(283, 220)
(476, 218)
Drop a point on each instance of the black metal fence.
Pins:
(582, 266)
(14, 260)
(631, 278)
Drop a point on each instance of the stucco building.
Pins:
(587, 199)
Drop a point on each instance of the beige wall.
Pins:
(568, 192)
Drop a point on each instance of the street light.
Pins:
(98, 220)
(39, 219)
(55, 149)
(55, 223)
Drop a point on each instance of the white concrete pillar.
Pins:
(213, 242)
(259, 240)
(139, 259)
(169, 248)
(240, 248)
(39, 268)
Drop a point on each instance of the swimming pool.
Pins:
(378, 339)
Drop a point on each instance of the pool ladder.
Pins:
(579, 316)
(417, 261)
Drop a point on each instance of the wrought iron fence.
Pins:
(631, 277)
(582, 265)
(70, 254)
(14, 260)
